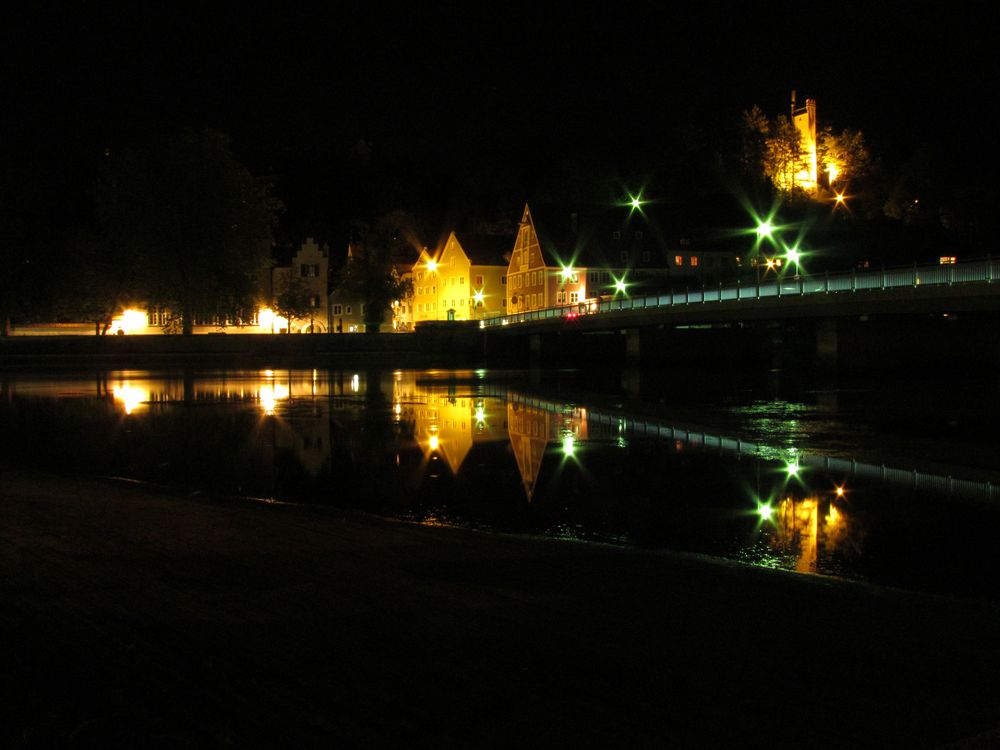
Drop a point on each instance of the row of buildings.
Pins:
(557, 257)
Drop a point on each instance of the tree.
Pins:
(371, 274)
(193, 224)
(292, 300)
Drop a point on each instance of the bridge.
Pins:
(941, 290)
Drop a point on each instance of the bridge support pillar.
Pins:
(535, 347)
(633, 349)
(826, 343)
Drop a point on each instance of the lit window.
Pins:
(678, 260)
(948, 260)
(694, 260)
(574, 297)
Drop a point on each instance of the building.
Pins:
(567, 256)
(305, 283)
(804, 121)
(464, 280)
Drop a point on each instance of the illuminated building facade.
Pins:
(804, 121)
(536, 276)
(309, 271)
(464, 280)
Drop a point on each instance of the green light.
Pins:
(569, 445)
(567, 272)
(793, 255)
(792, 467)
(765, 511)
(636, 203)
(764, 229)
(620, 286)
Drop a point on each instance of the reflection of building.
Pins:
(531, 429)
(803, 529)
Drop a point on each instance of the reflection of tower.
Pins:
(804, 120)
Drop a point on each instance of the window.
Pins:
(560, 298)
(678, 260)
(362, 308)
(694, 260)
(461, 281)
(314, 301)
(503, 302)
(479, 281)
(315, 269)
(574, 297)
(503, 280)
(304, 269)
(616, 235)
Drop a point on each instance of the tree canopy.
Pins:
(187, 227)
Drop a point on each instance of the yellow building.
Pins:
(804, 121)
(463, 280)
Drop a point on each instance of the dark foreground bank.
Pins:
(135, 618)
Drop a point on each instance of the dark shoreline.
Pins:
(135, 616)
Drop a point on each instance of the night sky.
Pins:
(453, 94)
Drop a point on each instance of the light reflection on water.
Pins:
(459, 448)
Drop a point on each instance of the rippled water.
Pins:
(856, 482)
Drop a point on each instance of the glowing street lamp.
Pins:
(566, 273)
(620, 286)
(764, 229)
(432, 266)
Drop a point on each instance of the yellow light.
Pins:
(130, 396)
(770, 262)
(433, 442)
(478, 296)
(432, 266)
(265, 317)
(840, 492)
(839, 198)
(355, 383)
(129, 321)
(566, 273)
(480, 414)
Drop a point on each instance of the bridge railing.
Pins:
(973, 271)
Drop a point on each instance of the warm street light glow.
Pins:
(840, 492)
(839, 198)
(433, 442)
(478, 297)
(432, 266)
(567, 272)
(770, 263)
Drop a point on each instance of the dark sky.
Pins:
(452, 88)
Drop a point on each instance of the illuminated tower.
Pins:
(804, 120)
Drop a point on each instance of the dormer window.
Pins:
(616, 235)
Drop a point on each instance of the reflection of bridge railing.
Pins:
(913, 276)
(947, 484)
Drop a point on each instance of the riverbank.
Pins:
(136, 617)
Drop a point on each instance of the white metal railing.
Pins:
(915, 276)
